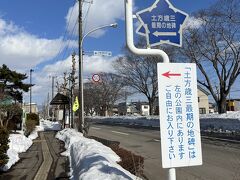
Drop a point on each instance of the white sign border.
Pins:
(142, 24)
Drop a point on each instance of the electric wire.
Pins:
(65, 34)
(86, 16)
(69, 40)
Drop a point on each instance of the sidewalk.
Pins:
(42, 161)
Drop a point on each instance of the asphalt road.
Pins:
(221, 160)
(42, 161)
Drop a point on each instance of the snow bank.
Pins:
(18, 144)
(90, 159)
(46, 125)
(229, 121)
(228, 115)
(144, 121)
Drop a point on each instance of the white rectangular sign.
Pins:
(179, 115)
(102, 53)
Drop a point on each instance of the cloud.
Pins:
(97, 64)
(91, 64)
(21, 50)
(101, 12)
(58, 68)
(193, 23)
(42, 78)
(8, 28)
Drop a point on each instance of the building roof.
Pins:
(233, 99)
(59, 99)
(203, 90)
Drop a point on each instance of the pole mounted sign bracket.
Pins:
(162, 23)
(129, 36)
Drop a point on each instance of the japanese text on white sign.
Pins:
(179, 115)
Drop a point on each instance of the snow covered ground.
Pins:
(228, 115)
(144, 121)
(20, 143)
(90, 159)
(229, 121)
(46, 125)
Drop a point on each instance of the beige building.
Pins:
(26, 107)
(233, 105)
(203, 103)
(134, 108)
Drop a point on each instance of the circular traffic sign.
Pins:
(96, 78)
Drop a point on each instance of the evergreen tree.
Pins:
(12, 83)
(4, 135)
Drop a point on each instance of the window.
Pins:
(145, 107)
(198, 99)
(202, 110)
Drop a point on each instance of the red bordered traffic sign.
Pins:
(96, 78)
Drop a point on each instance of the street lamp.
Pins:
(80, 75)
(31, 70)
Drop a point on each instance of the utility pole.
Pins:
(72, 86)
(31, 70)
(53, 86)
(80, 75)
(53, 78)
(70, 99)
(48, 105)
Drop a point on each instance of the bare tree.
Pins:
(214, 47)
(101, 97)
(140, 73)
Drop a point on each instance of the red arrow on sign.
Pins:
(168, 74)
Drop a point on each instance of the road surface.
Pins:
(221, 160)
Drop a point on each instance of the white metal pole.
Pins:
(81, 96)
(145, 52)
(129, 36)
(172, 174)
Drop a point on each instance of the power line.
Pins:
(70, 39)
(65, 33)
(85, 18)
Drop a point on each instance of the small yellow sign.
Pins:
(75, 105)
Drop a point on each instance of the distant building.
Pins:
(115, 110)
(203, 103)
(133, 108)
(212, 108)
(144, 109)
(233, 105)
(26, 107)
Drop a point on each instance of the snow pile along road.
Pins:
(50, 125)
(229, 121)
(142, 121)
(90, 159)
(228, 115)
(18, 144)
